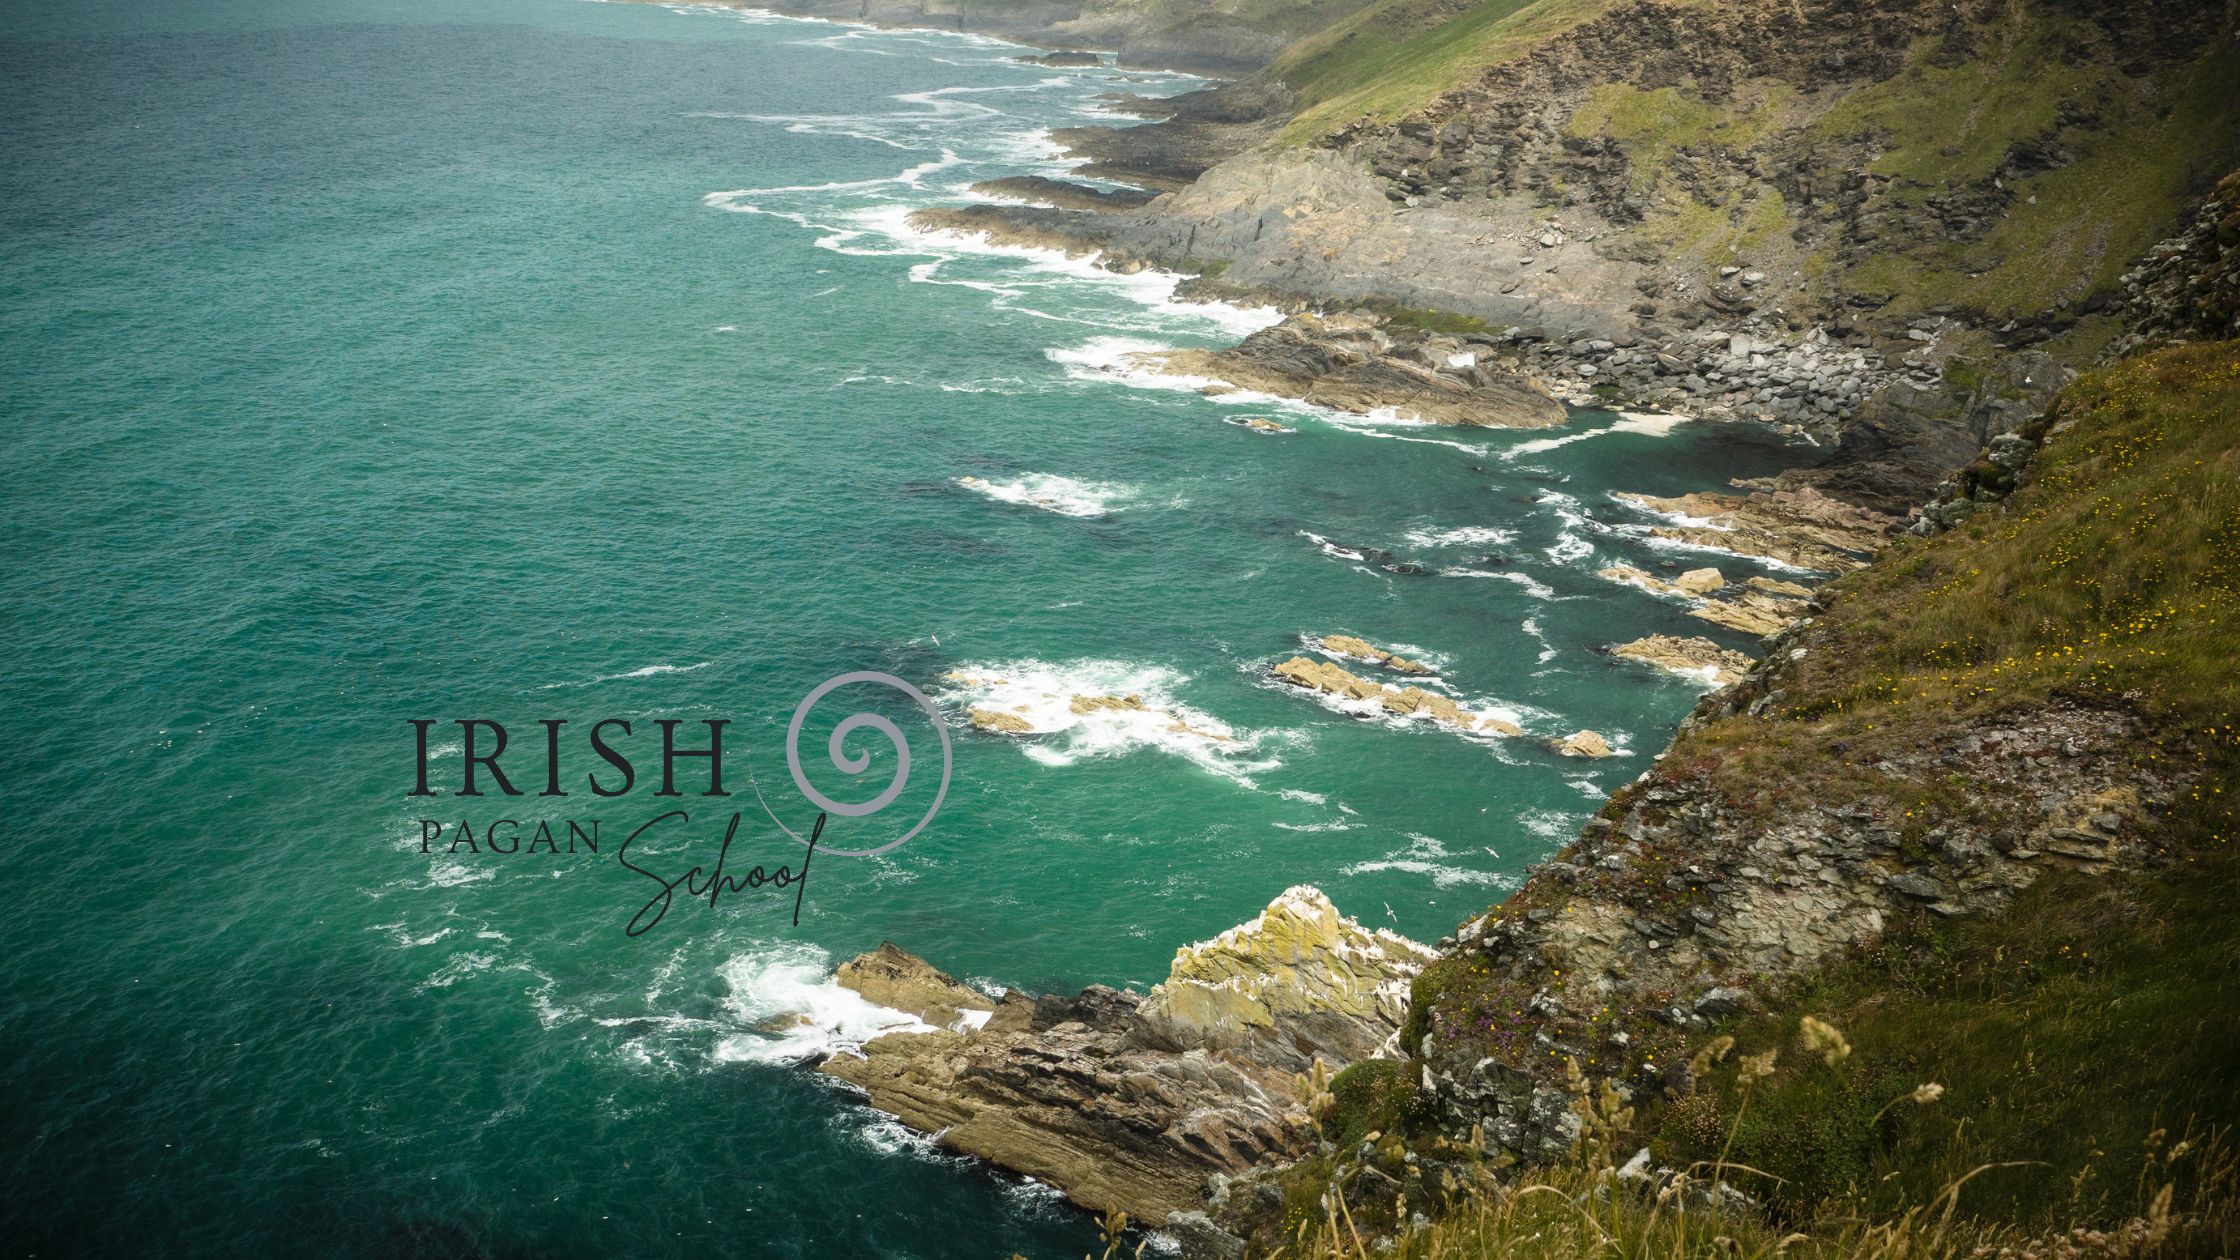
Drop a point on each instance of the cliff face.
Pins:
(2034, 697)
(1887, 186)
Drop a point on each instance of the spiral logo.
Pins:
(857, 765)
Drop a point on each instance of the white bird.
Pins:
(937, 640)
(1488, 848)
(1389, 914)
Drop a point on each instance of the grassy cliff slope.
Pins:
(2080, 1039)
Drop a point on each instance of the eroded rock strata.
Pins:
(1134, 1102)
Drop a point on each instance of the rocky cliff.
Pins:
(1806, 214)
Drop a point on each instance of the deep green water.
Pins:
(539, 359)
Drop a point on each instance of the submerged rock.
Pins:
(1007, 723)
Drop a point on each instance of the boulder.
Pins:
(1090, 704)
(1346, 645)
(1198, 1238)
(1635, 577)
(1754, 612)
(1802, 526)
(1584, 744)
(1771, 587)
(1700, 581)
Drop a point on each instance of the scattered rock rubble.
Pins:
(2188, 287)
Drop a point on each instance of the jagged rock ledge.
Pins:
(1135, 1102)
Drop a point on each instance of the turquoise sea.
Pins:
(525, 360)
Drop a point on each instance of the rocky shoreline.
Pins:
(1483, 262)
(1144, 1103)
(1897, 428)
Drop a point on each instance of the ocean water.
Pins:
(542, 360)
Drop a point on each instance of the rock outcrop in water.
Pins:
(1400, 701)
(1362, 649)
(1343, 364)
(1801, 527)
(1699, 658)
(1132, 1102)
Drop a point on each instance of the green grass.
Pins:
(2114, 569)
(2137, 172)
(1388, 60)
(2096, 1010)
(1289, 18)
(1432, 321)
(2158, 142)
(2066, 1032)
(1655, 124)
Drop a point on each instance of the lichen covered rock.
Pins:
(1296, 982)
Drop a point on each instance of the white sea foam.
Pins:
(1569, 547)
(1465, 536)
(1294, 794)
(1042, 694)
(1628, 422)
(782, 1007)
(1427, 856)
(1538, 589)
(1548, 824)
(1062, 495)
(458, 968)
(1547, 649)
(647, 671)
(444, 873)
